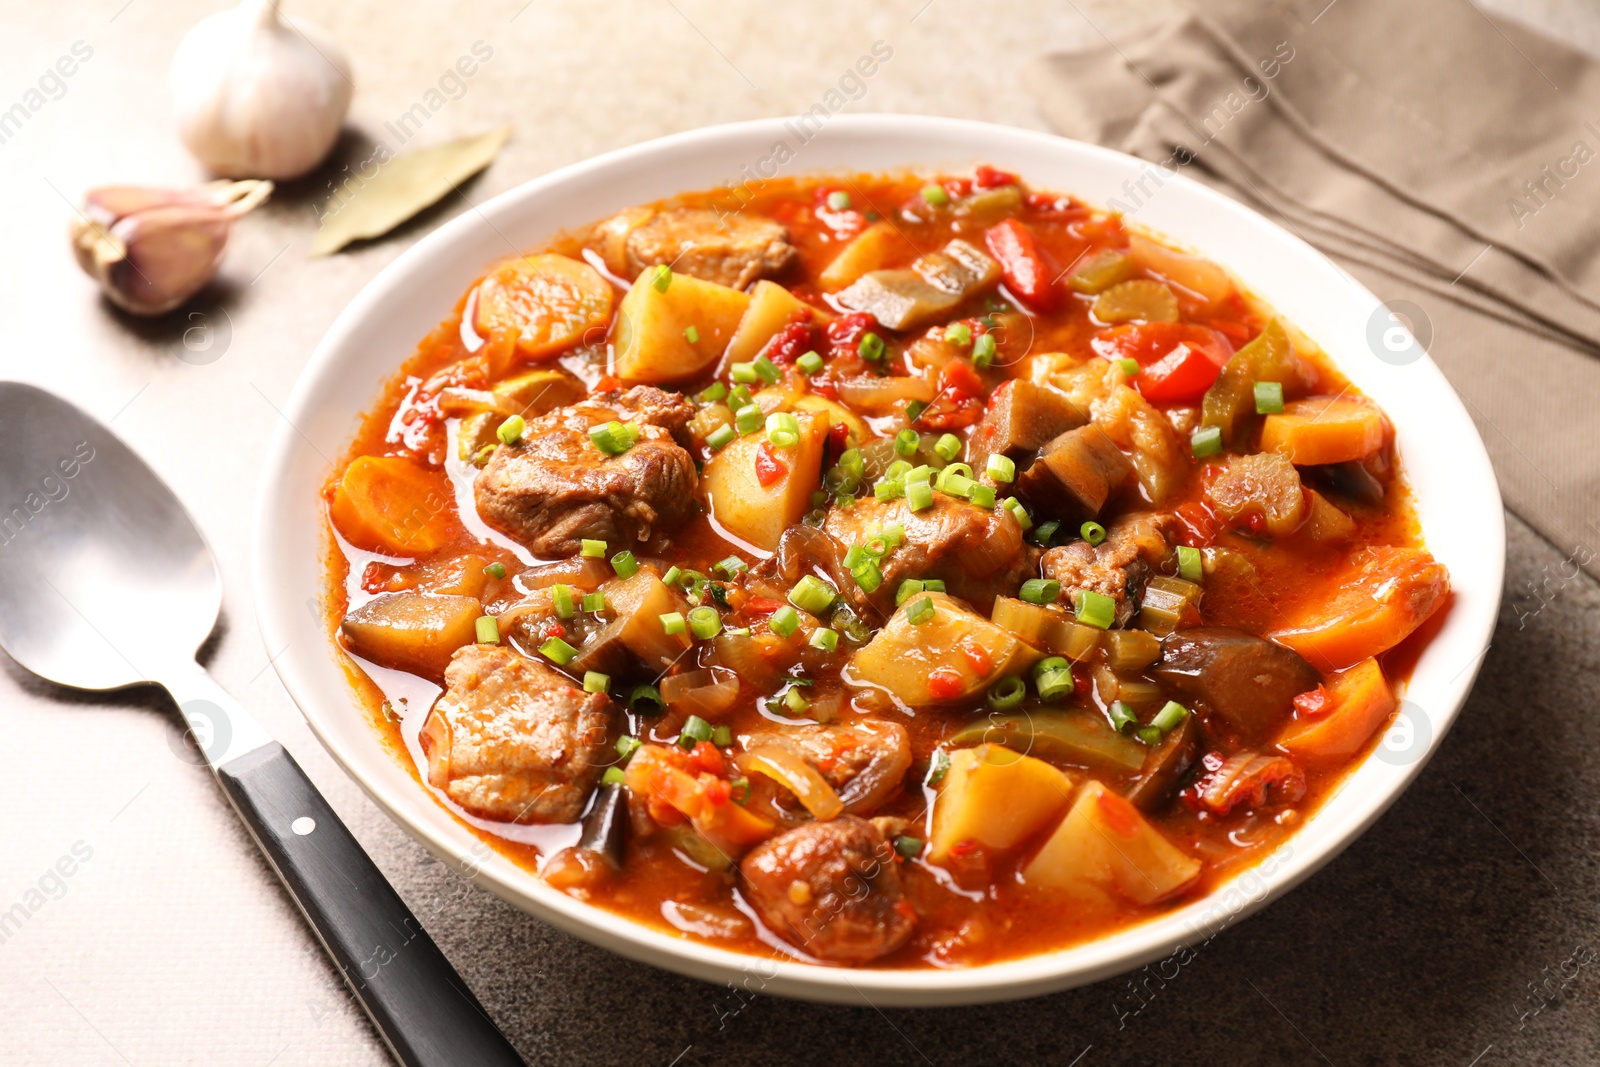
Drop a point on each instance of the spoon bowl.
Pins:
(104, 577)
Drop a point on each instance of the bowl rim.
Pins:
(1315, 843)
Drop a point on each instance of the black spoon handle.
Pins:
(421, 1007)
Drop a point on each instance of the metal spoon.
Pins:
(106, 583)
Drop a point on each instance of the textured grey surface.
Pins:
(1432, 940)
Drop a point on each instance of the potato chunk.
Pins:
(671, 334)
(758, 513)
(1104, 849)
(772, 307)
(996, 798)
(414, 632)
(950, 657)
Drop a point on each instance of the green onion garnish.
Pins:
(982, 495)
(721, 437)
(920, 473)
(909, 588)
(1189, 563)
(487, 630)
(661, 277)
(731, 567)
(1206, 442)
(558, 651)
(705, 622)
(713, 393)
(739, 396)
(824, 638)
(510, 431)
(594, 603)
(672, 576)
(646, 700)
(915, 409)
(561, 597)
(767, 370)
(1092, 532)
(812, 594)
(1045, 534)
(783, 430)
(1007, 693)
(983, 350)
(935, 195)
(672, 623)
(1056, 681)
(1020, 513)
(624, 564)
(1040, 590)
(1122, 717)
(838, 200)
(784, 621)
(691, 335)
(695, 730)
(613, 776)
(893, 534)
(1129, 365)
(627, 744)
(908, 847)
(1150, 736)
(722, 736)
(958, 333)
(919, 495)
(933, 585)
(1001, 468)
(595, 682)
(1094, 609)
(871, 347)
(796, 701)
(496, 571)
(744, 373)
(748, 419)
(1171, 714)
(867, 575)
(811, 363)
(1269, 398)
(593, 549)
(938, 767)
(920, 611)
(948, 447)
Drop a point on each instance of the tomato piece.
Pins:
(986, 177)
(709, 758)
(960, 379)
(1177, 361)
(789, 343)
(844, 333)
(978, 656)
(1312, 702)
(769, 468)
(1028, 272)
(946, 683)
(762, 605)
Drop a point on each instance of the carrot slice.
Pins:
(1321, 429)
(1359, 701)
(547, 302)
(385, 503)
(1390, 592)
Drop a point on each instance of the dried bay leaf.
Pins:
(403, 186)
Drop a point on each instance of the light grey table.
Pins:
(1432, 940)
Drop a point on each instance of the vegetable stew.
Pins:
(885, 570)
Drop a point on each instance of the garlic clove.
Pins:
(152, 249)
(257, 97)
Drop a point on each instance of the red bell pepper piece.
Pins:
(1028, 272)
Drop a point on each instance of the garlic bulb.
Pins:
(256, 97)
(152, 249)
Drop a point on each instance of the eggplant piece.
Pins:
(605, 827)
(1350, 481)
(1246, 680)
(1076, 472)
(930, 288)
(1021, 418)
(1165, 767)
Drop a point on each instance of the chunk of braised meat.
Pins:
(864, 762)
(1119, 565)
(512, 740)
(555, 487)
(1248, 681)
(731, 248)
(976, 552)
(831, 889)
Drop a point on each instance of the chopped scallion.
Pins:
(812, 594)
(1001, 468)
(731, 567)
(784, 621)
(614, 776)
(661, 277)
(948, 447)
(695, 730)
(713, 393)
(906, 441)
(594, 603)
(1269, 398)
(1040, 590)
(824, 638)
(909, 588)
(744, 373)
(983, 350)
(487, 630)
(1129, 365)
(624, 564)
(1122, 717)
(721, 437)
(935, 195)
(672, 623)
(908, 847)
(646, 700)
(496, 570)
(627, 744)
(982, 495)
(811, 363)
(767, 370)
(1092, 532)
(558, 651)
(561, 597)
(748, 419)
(783, 430)
(691, 335)
(1171, 714)
(1150, 736)
(1206, 442)
(595, 682)
(1008, 692)
(919, 495)
(1055, 684)
(920, 611)
(705, 622)
(592, 549)
(1189, 563)
(1094, 609)
(510, 431)
(870, 347)
(958, 333)
(838, 200)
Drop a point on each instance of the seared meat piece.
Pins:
(554, 488)
(732, 249)
(1247, 680)
(976, 551)
(1119, 565)
(864, 762)
(832, 889)
(514, 741)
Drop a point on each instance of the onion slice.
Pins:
(789, 770)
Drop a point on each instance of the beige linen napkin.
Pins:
(1445, 159)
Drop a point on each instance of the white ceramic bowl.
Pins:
(1456, 495)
